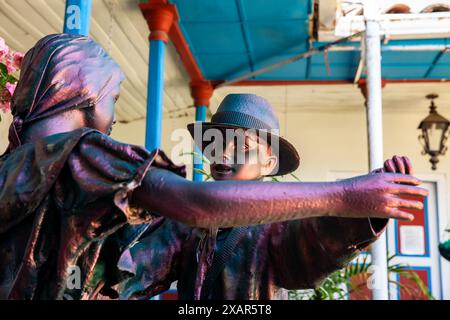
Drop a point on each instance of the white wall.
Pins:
(338, 142)
(4, 127)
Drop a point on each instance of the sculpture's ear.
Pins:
(269, 165)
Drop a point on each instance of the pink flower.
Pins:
(17, 59)
(11, 88)
(4, 50)
(5, 96)
(10, 64)
(5, 106)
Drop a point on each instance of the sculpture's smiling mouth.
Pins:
(222, 169)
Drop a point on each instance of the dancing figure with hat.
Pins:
(247, 262)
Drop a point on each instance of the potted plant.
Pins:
(444, 248)
(341, 284)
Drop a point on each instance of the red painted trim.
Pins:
(283, 82)
(160, 18)
(189, 62)
(201, 92)
(417, 81)
(362, 85)
(319, 82)
(177, 38)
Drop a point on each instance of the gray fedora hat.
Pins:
(249, 111)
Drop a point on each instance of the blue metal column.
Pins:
(200, 116)
(160, 17)
(77, 17)
(201, 92)
(155, 95)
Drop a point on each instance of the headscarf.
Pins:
(61, 72)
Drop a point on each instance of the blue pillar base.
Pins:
(200, 116)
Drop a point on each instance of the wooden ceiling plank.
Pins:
(15, 36)
(32, 22)
(100, 13)
(52, 11)
(100, 35)
(134, 26)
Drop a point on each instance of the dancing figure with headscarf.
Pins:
(72, 199)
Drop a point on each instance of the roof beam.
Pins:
(284, 62)
(435, 62)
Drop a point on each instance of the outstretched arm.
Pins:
(229, 203)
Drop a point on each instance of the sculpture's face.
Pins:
(256, 159)
(103, 112)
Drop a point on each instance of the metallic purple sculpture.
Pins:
(72, 199)
(251, 262)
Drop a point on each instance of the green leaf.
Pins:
(11, 79)
(203, 172)
(3, 68)
(3, 80)
(197, 156)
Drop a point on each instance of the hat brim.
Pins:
(288, 157)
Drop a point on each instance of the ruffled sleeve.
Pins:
(29, 172)
(104, 169)
(102, 175)
(67, 194)
(316, 247)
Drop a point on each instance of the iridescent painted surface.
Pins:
(70, 196)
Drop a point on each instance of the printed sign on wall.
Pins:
(412, 236)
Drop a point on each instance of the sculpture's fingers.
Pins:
(400, 203)
(408, 166)
(399, 214)
(389, 166)
(402, 178)
(399, 164)
(407, 190)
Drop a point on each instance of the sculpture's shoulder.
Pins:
(28, 173)
(49, 144)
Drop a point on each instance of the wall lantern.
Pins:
(434, 133)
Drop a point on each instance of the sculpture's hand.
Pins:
(397, 164)
(378, 196)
